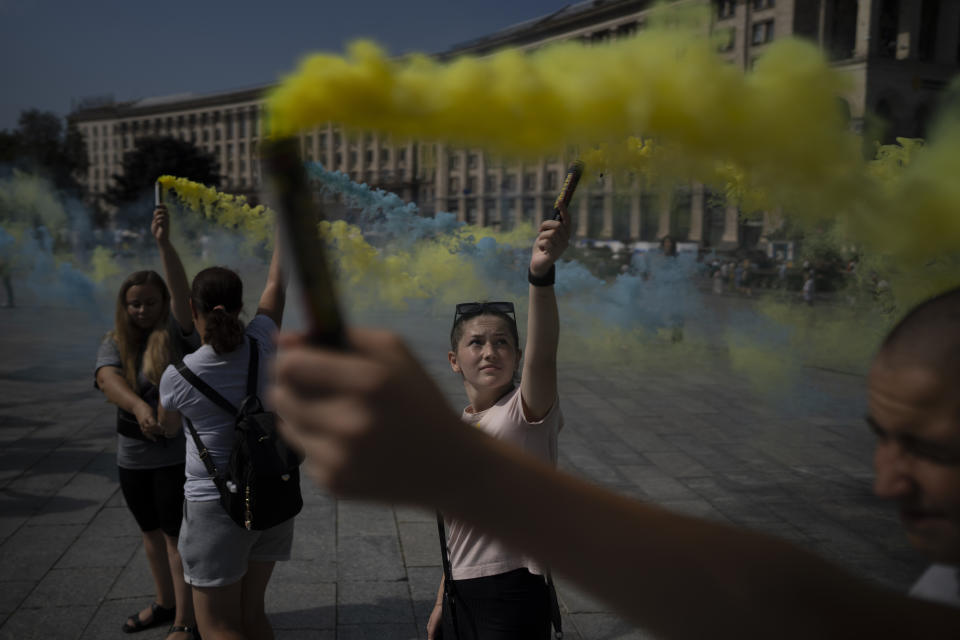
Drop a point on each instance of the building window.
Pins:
(727, 39)
(762, 32)
(242, 165)
(336, 139)
(368, 156)
(353, 159)
(551, 180)
(927, 40)
(726, 9)
(241, 129)
(338, 160)
(453, 162)
(216, 134)
(627, 29)
(510, 182)
(323, 139)
(384, 156)
(599, 37)
(528, 207)
(472, 184)
(228, 124)
(254, 123)
(242, 148)
(453, 185)
(763, 4)
(490, 183)
(402, 155)
(530, 182)
(206, 135)
(472, 161)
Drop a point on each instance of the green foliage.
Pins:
(151, 158)
(42, 147)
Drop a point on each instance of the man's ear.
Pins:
(452, 357)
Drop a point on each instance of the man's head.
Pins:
(914, 408)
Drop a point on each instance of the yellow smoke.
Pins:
(773, 137)
(224, 209)
(26, 199)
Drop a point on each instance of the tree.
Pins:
(153, 157)
(40, 146)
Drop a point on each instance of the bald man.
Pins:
(914, 408)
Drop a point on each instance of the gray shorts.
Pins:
(215, 550)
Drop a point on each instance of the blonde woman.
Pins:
(152, 327)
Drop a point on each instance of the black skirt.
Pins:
(508, 606)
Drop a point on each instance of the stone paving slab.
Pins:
(700, 443)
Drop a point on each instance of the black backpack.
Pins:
(261, 486)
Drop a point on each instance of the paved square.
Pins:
(704, 444)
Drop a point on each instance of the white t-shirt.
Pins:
(227, 374)
(474, 554)
(940, 583)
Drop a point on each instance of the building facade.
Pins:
(900, 56)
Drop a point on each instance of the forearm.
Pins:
(176, 278)
(273, 298)
(543, 329)
(677, 576)
(118, 392)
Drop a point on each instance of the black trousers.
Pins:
(507, 606)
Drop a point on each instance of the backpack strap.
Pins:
(204, 453)
(206, 389)
(252, 367)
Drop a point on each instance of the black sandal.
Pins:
(158, 615)
(182, 628)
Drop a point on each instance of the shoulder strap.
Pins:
(252, 367)
(448, 589)
(206, 389)
(555, 616)
(202, 451)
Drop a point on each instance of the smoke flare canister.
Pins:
(574, 171)
(157, 194)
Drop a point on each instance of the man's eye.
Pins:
(932, 452)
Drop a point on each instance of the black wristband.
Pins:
(546, 280)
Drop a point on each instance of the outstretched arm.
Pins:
(373, 412)
(173, 270)
(115, 387)
(274, 295)
(538, 384)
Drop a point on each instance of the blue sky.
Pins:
(53, 52)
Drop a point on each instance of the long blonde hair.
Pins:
(128, 336)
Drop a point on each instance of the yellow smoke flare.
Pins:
(669, 83)
(228, 210)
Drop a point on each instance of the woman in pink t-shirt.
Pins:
(500, 593)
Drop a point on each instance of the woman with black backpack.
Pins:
(227, 564)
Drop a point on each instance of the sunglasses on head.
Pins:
(479, 308)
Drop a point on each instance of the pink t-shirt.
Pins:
(474, 554)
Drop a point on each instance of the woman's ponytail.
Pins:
(217, 295)
(224, 331)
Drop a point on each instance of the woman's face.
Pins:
(144, 304)
(486, 355)
(668, 245)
